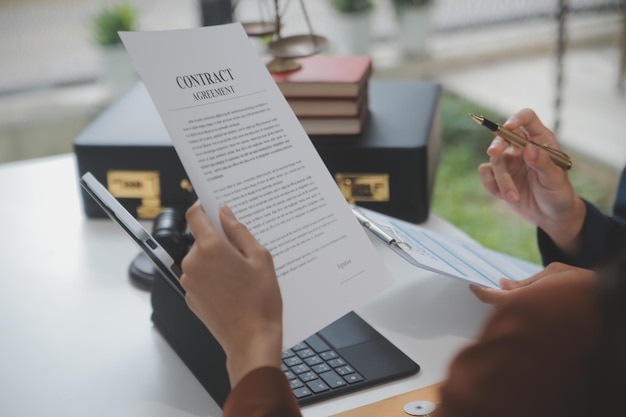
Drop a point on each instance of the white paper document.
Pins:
(241, 145)
(461, 259)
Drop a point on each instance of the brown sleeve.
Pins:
(531, 358)
(264, 392)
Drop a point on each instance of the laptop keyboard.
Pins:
(316, 370)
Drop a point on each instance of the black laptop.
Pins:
(345, 356)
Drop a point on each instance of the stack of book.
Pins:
(329, 93)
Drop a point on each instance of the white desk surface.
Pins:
(76, 336)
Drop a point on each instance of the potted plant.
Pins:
(414, 22)
(399, 5)
(352, 6)
(110, 20)
(352, 26)
(118, 72)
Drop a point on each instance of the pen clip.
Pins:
(372, 227)
(378, 231)
(399, 240)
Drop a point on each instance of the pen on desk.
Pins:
(559, 158)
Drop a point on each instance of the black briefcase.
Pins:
(390, 167)
(128, 149)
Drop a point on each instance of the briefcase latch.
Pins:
(144, 185)
(363, 187)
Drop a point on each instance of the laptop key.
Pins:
(331, 354)
(344, 370)
(335, 363)
(322, 367)
(353, 378)
(299, 346)
(333, 380)
(317, 385)
(296, 383)
(306, 353)
(313, 360)
(317, 344)
(300, 369)
(293, 361)
(302, 392)
(307, 376)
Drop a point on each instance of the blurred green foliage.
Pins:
(110, 20)
(352, 6)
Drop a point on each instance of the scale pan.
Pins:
(259, 28)
(297, 46)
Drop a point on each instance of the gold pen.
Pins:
(559, 158)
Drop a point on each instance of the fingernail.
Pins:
(531, 153)
(511, 197)
(228, 212)
(494, 144)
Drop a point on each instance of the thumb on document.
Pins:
(239, 235)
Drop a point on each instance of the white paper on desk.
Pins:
(462, 259)
(242, 145)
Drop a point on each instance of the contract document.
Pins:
(242, 146)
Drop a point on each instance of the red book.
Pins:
(333, 106)
(335, 125)
(326, 76)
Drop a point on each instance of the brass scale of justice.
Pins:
(284, 50)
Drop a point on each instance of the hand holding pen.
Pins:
(531, 182)
(558, 157)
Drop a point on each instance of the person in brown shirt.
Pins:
(555, 348)
(555, 344)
